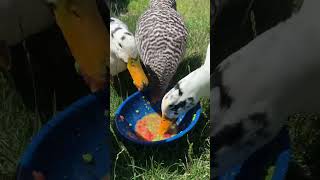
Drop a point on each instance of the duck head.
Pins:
(177, 101)
(124, 53)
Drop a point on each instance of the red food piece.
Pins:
(38, 175)
(121, 118)
(166, 135)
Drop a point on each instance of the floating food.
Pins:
(194, 117)
(153, 127)
(87, 158)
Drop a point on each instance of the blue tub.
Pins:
(137, 101)
(57, 149)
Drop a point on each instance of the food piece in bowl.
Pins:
(87, 158)
(106, 177)
(38, 175)
(153, 127)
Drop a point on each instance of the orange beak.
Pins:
(87, 38)
(140, 79)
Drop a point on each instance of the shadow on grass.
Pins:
(296, 172)
(118, 7)
(304, 134)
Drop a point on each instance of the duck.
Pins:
(122, 47)
(188, 91)
(257, 88)
(161, 38)
(79, 21)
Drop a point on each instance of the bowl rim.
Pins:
(177, 136)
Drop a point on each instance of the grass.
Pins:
(17, 125)
(189, 158)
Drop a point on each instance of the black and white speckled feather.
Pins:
(122, 46)
(161, 38)
(163, 4)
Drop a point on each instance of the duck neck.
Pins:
(197, 83)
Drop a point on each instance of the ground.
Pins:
(189, 158)
(17, 125)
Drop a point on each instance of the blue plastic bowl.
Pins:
(277, 152)
(57, 149)
(138, 102)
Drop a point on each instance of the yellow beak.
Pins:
(87, 38)
(140, 79)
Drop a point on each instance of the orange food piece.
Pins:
(107, 177)
(153, 127)
(38, 175)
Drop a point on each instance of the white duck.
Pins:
(258, 87)
(188, 91)
(122, 46)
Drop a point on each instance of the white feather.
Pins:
(197, 83)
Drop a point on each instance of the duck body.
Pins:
(188, 91)
(255, 89)
(161, 38)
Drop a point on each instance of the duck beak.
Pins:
(140, 79)
(87, 37)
